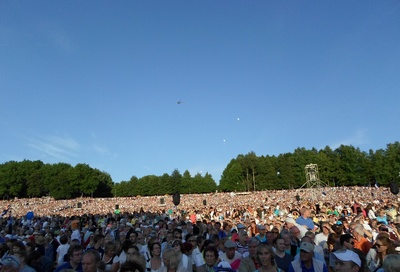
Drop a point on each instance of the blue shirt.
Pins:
(305, 221)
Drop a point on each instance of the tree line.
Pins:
(343, 166)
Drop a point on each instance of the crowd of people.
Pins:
(300, 230)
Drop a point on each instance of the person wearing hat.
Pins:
(230, 255)
(347, 261)
(290, 222)
(10, 263)
(261, 235)
(306, 262)
(241, 244)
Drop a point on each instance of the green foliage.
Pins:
(344, 166)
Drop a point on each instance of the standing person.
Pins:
(110, 258)
(282, 258)
(76, 235)
(306, 262)
(266, 259)
(75, 257)
(90, 261)
(62, 250)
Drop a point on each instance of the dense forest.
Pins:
(344, 166)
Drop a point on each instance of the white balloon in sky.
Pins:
(224, 140)
(238, 119)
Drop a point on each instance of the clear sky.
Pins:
(98, 82)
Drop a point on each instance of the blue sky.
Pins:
(98, 82)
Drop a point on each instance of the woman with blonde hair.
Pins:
(171, 261)
(110, 258)
(266, 258)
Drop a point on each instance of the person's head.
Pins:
(357, 231)
(171, 258)
(391, 263)
(265, 255)
(252, 246)
(279, 244)
(243, 237)
(347, 241)
(295, 232)
(230, 248)
(306, 251)
(261, 229)
(10, 263)
(75, 253)
(384, 245)
(210, 255)
(325, 227)
(132, 236)
(132, 250)
(90, 260)
(155, 249)
(347, 261)
(63, 239)
(109, 248)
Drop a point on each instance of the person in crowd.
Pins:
(10, 263)
(261, 235)
(322, 237)
(266, 258)
(306, 262)
(360, 241)
(382, 247)
(391, 263)
(304, 219)
(347, 261)
(90, 261)
(231, 256)
(110, 258)
(241, 244)
(171, 261)
(250, 263)
(75, 253)
(346, 242)
(155, 263)
(212, 262)
(282, 258)
(62, 250)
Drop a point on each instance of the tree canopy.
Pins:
(344, 166)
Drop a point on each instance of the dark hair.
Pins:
(74, 248)
(212, 249)
(345, 238)
(63, 239)
(152, 247)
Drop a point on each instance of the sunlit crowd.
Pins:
(301, 230)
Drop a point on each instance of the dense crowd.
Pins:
(309, 229)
